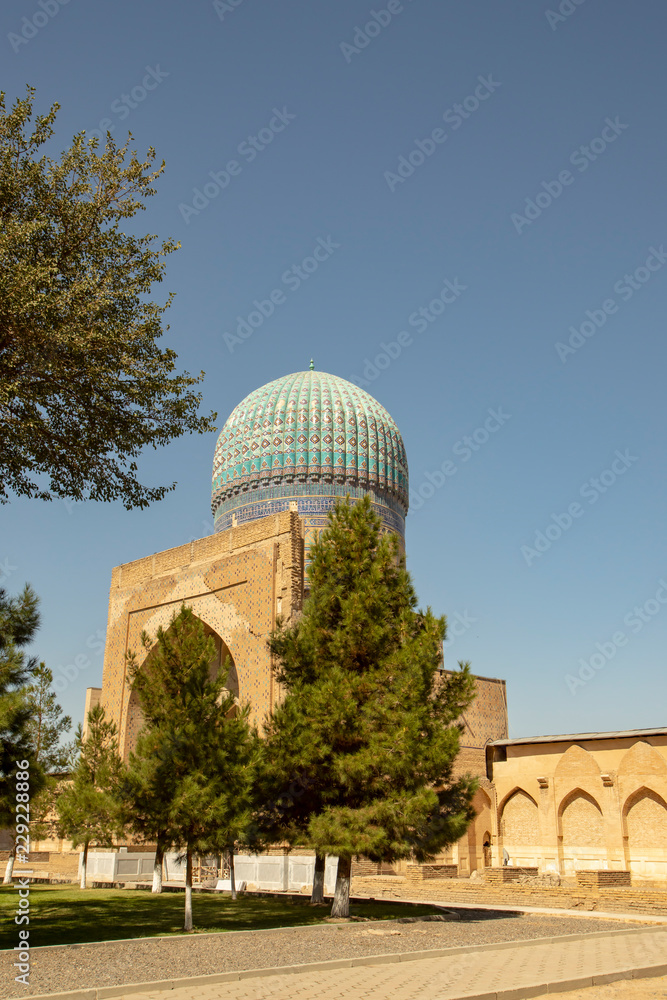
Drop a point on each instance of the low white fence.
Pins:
(286, 872)
(281, 872)
(118, 866)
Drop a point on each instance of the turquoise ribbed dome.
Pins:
(309, 434)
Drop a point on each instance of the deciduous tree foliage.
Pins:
(197, 750)
(369, 717)
(84, 386)
(87, 807)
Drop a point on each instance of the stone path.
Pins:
(507, 972)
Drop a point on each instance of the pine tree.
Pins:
(87, 808)
(46, 727)
(199, 739)
(145, 796)
(371, 718)
(291, 787)
(47, 724)
(19, 621)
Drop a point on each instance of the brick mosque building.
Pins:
(287, 452)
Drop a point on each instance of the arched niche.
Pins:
(581, 831)
(221, 659)
(519, 825)
(645, 819)
(645, 833)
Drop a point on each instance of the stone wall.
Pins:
(450, 891)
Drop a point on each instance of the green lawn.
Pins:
(69, 916)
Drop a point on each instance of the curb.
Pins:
(517, 993)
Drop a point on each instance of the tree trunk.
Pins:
(188, 890)
(232, 874)
(157, 867)
(9, 870)
(317, 895)
(84, 865)
(341, 903)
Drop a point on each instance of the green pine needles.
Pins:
(191, 776)
(369, 722)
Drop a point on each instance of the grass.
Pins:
(71, 916)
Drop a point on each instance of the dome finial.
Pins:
(312, 365)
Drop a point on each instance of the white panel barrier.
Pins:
(277, 872)
(113, 866)
(283, 872)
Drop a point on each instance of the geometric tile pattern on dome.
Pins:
(310, 427)
(312, 508)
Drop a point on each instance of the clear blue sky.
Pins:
(565, 111)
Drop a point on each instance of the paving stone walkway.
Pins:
(480, 974)
(624, 989)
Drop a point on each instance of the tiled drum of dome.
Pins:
(308, 437)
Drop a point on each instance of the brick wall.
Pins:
(635, 900)
(51, 864)
(582, 825)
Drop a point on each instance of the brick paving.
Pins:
(474, 973)
(624, 989)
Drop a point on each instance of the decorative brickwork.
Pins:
(519, 824)
(582, 824)
(236, 582)
(647, 821)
